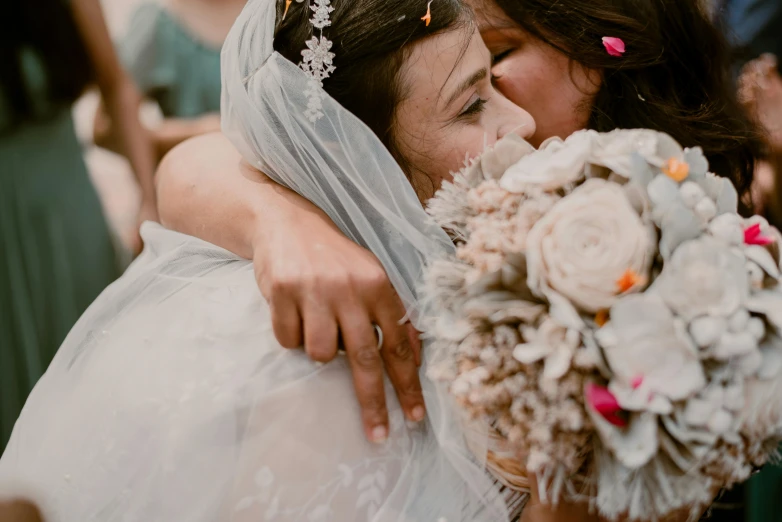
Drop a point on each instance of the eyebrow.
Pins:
(466, 84)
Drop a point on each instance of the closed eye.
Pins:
(475, 108)
(497, 58)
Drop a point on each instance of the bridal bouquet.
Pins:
(611, 319)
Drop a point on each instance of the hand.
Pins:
(322, 289)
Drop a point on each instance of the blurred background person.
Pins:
(172, 50)
(755, 28)
(57, 253)
(761, 92)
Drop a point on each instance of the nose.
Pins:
(515, 120)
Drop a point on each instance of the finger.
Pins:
(286, 321)
(400, 362)
(360, 340)
(321, 334)
(415, 341)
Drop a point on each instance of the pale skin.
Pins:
(121, 100)
(315, 279)
(309, 272)
(209, 21)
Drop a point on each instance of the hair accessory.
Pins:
(317, 60)
(614, 46)
(428, 16)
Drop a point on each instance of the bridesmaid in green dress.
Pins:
(172, 51)
(56, 254)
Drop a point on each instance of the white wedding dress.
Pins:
(171, 400)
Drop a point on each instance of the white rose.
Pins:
(555, 165)
(704, 277)
(587, 243)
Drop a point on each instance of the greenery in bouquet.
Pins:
(612, 319)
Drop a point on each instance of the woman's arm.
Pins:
(121, 98)
(322, 288)
(165, 136)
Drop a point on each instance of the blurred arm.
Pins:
(206, 190)
(120, 96)
(165, 136)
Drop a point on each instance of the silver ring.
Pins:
(379, 333)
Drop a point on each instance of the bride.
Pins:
(172, 401)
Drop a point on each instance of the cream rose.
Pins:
(557, 164)
(587, 244)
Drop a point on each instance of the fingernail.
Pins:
(379, 434)
(418, 413)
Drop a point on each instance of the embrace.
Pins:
(173, 398)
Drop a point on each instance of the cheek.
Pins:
(450, 153)
(541, 83)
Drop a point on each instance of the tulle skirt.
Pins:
(172, 401)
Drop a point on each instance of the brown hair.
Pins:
(674, 76)
(371, 39)
(46, 30)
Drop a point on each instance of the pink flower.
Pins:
(614, 46)
(604, 402)
(753, 236)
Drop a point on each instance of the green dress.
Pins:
(171, 65)
(56, 251)
(764, 495)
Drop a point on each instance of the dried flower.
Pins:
(428, 16)
(753, 236)
(603, 402)
(614, 46)
(677, 170)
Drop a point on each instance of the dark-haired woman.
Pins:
(549, 59)
(57, 254)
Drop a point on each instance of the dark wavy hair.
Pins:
(46, 29)
(675, 76)
(372, 40)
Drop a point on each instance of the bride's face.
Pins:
(450, 110)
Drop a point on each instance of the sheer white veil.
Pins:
(171, 400)
(337, 162)
(341, 166)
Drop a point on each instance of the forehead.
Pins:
(442, 61)
(489, 15)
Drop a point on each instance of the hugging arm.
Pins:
(322, 288)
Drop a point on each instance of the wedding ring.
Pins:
(379, 333)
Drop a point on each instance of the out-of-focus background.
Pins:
(58, 252)
(111, 172)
